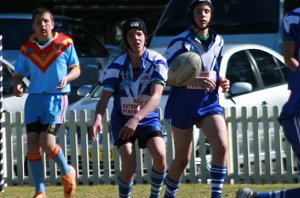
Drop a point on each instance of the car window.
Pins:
(7, 80)
(239, 69)
(272, 70)
(15, 32)
(8, 84)
(97, 92)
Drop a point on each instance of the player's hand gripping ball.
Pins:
(184, 68)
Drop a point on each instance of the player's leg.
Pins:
(33, 110)
(183, 149)
(291, 129)
(53, 150)
(215, 130)
(34, 159)
(56, 106)
(55, 153)
(128, 168)
(250, 193)
(52, 119)
(157, 148)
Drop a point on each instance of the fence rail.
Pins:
(258, 151)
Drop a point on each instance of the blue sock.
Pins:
(218, 174)
(58, 157)
(37, 169)
(263, 194)
(287, 193)
(171, 187)
(124, 188)
(157, 180)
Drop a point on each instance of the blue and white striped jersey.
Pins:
(131, 93)
(291, 33)
(190, 102)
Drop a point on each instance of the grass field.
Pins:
(139, 191)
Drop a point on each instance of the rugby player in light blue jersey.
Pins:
(198, 102)
(290, 114)
(50, 61)
(136, 81)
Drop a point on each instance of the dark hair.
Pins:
(40, 11)
(132, 23)
(192, 6)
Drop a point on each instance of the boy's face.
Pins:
(136, 40)
(202, 15)
(43, 25)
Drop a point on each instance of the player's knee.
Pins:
(47, 149)
(220, 148)
(47, 146)
(159, 163)
(129, 169)
(182, 162)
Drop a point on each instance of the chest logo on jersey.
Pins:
(145, 79)
(125, 83)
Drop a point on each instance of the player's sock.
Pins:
(37, 170)
(58, 156)
(124, 188)
(157, 180)
(279, 193)
(171, 187)
(218, 174)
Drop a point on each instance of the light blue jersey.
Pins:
(187, 105)
(46, 65)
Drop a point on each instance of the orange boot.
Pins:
(69, 181)
(39, 195)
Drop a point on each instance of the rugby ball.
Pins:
(184, 68)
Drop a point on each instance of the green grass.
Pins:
(139, 191)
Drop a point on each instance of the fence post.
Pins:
(1, 122)
(230, 142)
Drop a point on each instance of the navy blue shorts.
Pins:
(291, 129)
(187, 122)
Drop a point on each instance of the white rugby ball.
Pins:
(184, 68)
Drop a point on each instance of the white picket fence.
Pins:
(258, 152)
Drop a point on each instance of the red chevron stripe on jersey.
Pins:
(43, 58)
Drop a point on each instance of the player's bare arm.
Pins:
(289, 55)
(224, 84)
(100, 112)
(74, 74)
(18, 84)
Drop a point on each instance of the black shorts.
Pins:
(142, 134)
(38, 127)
